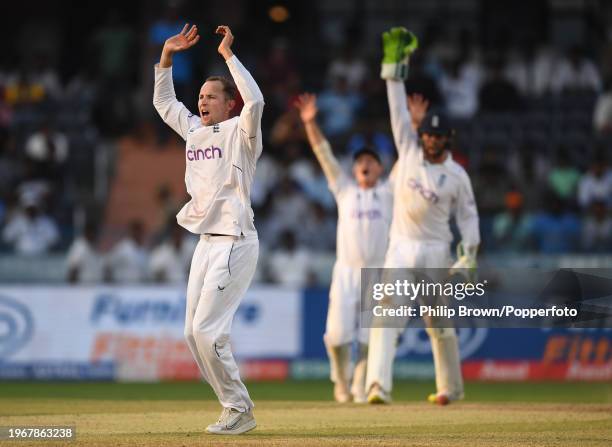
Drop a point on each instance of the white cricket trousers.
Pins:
(406, 253)
(221, 270)
(343, 314)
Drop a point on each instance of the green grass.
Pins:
(301, 413)
(311, 390)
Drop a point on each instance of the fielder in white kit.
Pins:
(429, 187)
(220, 157)
(364, 215)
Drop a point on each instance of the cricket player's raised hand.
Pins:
(398, 45)
(225, 47)
(306, 103)
(417, 105)
(184, 40)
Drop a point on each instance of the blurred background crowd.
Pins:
(91, 178)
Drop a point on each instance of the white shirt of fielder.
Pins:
(220, 159)
(364, 215)
(427, 194)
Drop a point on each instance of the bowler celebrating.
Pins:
(364, 216)
(220, 156)
(428, 188)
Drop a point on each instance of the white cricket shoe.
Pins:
(341, 393)
(233, 422)
(378, 396)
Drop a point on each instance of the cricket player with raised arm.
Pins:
(220, 157)
(428, 188)
(364, 215)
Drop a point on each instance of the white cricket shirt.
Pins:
(220, 159)
(426, 195)
(364, 215)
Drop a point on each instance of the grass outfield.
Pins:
(301, 413)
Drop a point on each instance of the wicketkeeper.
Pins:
(429, 187)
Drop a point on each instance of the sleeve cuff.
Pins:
(158, 68)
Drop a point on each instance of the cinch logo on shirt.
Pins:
(367, 214)
(427, 194)
(209, 153)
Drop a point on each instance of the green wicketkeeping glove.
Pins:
(398, 45)
(466, 263)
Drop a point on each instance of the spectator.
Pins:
(287, 129)
(23, 90)
(113, 44)
(338, 106)
(563, 177)
(84, 262)
(528, 166)
(602, 116)
(555, 231)
(167, 209)
(512, 227)
(182, 65)
(290, 265)
(530, 68)
(575, 74)
(287, 209)
(128, 261)
(597, 229)
(498, 94)
(44, 74)
(318, 231)
(170, 261)
(114, 48)
(48, 149)
(278, 74)
(491, 183)
(11, 168)
(459, 88)
(29, 231)
(266, 177)
(420, 82)
(349, 67)
(596, 184)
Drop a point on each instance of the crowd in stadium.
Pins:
(533, 129)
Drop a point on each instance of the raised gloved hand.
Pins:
(466, 263)
(398, 45)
